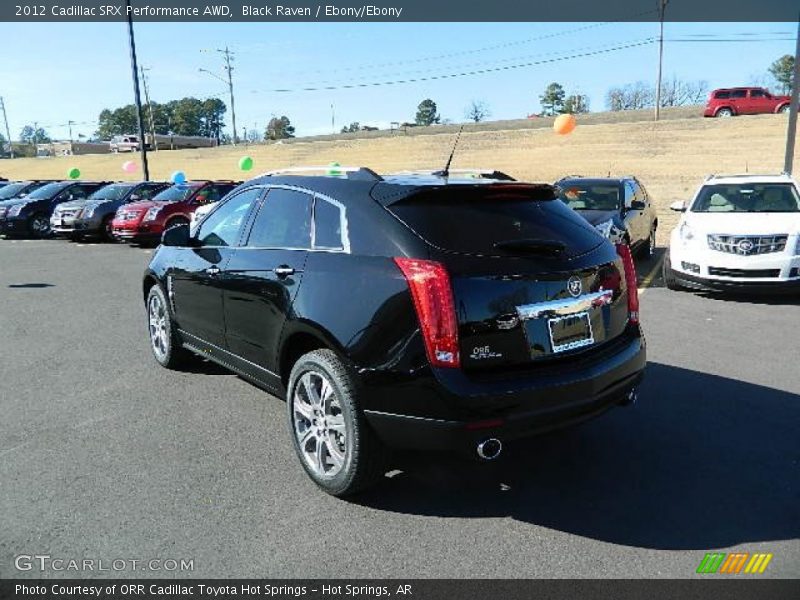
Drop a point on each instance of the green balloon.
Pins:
(245, 163)
(74, 173)
(332, 170)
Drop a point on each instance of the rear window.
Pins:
(489, 221)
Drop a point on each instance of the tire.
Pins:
(176, 222)
(648, 248)
(107, 229)
(39, 226)
(724, 113)
(164, 341)
(331, 437)
(668, 274)
(784, 110)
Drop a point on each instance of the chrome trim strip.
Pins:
(565, 306)
(228, 353)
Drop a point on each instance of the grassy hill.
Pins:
(671, 157)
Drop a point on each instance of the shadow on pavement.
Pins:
(30, 285)
(701, 462)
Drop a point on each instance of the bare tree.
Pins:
(477, 111)
(676, 92)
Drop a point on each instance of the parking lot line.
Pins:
(648, 279)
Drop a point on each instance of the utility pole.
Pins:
(228, 60)
(8, 133)
(662, 6)
(791, 133)
(137, 96)
(228, 54)
(333, 119)
(35, 135)
(149, 107)
(70, 124)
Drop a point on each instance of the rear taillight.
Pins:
(631, 282)
(433, 299)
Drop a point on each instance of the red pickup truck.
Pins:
(729, 102)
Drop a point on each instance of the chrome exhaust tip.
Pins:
(490, 449)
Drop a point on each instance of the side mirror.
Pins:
(177, 236)
(134, 198)
(678, 206)
(638, 205)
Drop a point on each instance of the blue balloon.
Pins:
(178, 177)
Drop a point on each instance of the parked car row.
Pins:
(129, 211)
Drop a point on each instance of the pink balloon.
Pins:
(129, 166)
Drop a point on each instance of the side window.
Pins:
(756, 93)
(630, 193)
(224, 226)
(723, 95)
(738, 93)
(327, 225)
(146, 192)
(284, 221)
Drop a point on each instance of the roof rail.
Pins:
(480, 173)
(359, 173)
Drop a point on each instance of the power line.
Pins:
(471, 73)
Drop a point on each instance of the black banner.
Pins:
(418, 589)
(397, 10)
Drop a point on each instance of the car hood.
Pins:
(72, 205)
(142, 206)
(744, 223)
(595, 217)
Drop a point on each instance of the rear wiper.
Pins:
(532, 246)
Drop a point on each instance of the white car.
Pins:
(739, 232)
(199, 213)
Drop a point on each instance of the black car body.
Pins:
(461, 310)
(30, 215)
(14, 190)
(619, 207)
(93, 216)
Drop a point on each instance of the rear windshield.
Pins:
(748, 197)
(589, 196)
(488, 221)
(177, 193)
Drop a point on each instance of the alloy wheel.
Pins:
(319, 424)
(157, 320)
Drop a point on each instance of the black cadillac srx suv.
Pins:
(411, 311)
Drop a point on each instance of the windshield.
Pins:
(111, 192)
(11, 190)
(748, 197)
(589, 196)
(47, 191)
(176, 193)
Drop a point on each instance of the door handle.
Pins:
(213, 270)
(284, 271)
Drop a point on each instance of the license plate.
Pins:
(570, 332)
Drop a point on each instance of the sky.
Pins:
(71, 71)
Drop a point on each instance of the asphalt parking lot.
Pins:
(103, 454)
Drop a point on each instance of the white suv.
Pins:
(739, 232)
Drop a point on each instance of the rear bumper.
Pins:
(462, 411)
(13, 226)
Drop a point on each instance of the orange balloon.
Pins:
(564, 124)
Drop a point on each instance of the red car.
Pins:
(144, 222)
(730, 102)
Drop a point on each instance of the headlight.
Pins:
(152, 213)
(796, 246)
(685, 232)
(605, 228)
(15, 210)
(87, 211)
